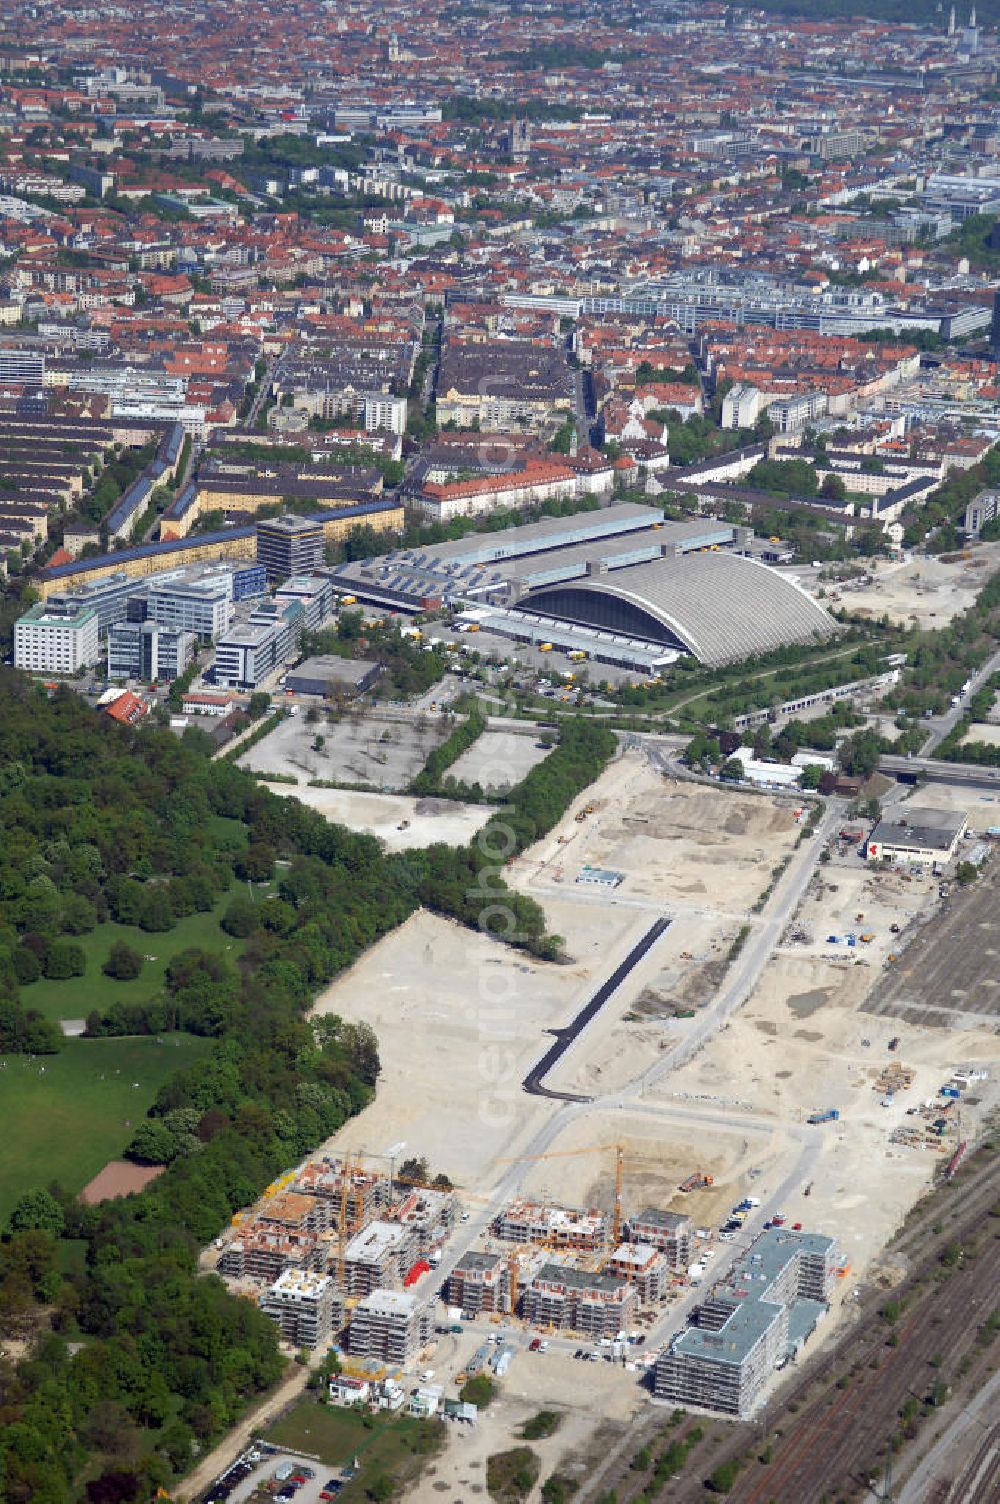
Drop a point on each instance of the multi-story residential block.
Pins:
(390, 1326)
(556, 1226)
(379, 1257)
(366, 1191)
(602, 1305)
(670, 1232)
(56, 638)
(480, 1282)
(306, 1307)
(645, 1268)
(761, 1314)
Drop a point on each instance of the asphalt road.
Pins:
(533, 1081)
(944, 725)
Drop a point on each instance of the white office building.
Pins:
(56, 638)
(204, 607)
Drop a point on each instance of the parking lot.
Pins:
(261, 1467)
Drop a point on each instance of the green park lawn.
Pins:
(77, 996)
(383, 1443)
(64, 1116)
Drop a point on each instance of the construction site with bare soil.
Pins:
(688, 1140)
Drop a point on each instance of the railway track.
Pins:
(980, 1477)
(841, 1438)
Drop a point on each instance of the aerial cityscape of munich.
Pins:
(499, 752)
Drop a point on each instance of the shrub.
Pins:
(64, 960)
(123, 964)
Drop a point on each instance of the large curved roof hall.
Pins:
(721, 607)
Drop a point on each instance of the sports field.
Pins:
(64, 1116)
(77, 996)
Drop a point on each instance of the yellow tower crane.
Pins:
(346, 1173)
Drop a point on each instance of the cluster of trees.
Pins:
(737, 698)
(940, 662)
(467, 882)
(408, 670)
(954, 748)
(429, 779)
(786, 477)
(945, 507)
(116, 478)
(137, 1361)
(699, 438)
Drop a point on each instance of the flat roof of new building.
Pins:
(731, 1344)
(480, 1261)
(328, 668)
(375, 1241)
(653, 1216)
(577, 1279)
(388, 1303)
(41, 615)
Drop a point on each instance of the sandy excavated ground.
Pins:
(661, 1149)
(355, 750)
(382, 815)
(850, 896)
(592, 1399)
(460, 1018)
(678, 844)
(798, 1046)
(922, 591)
(982, 731)
(700, 856)
(498, 760)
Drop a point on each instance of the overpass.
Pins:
(929, 770)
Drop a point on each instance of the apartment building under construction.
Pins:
(306, 1307)
(285, 1233)
(390, 1326)
(670, 1232)
(331, 1180)
(554, 1226)
(566, 1298)
(751, 1323)
(480, 1282)
(379, 1257)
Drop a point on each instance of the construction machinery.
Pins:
(697, 1182)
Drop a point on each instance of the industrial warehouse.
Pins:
(621, 585)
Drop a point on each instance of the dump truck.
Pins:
(830, 1115)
